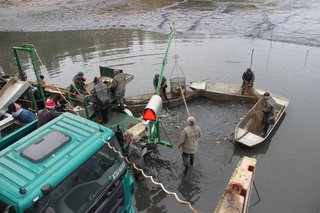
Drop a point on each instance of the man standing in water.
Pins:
(268, 113)
(136, 151)
(188, 140)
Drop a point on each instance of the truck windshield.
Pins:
(83, 187)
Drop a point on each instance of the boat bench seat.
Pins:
(248, 138)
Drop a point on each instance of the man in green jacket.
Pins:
(268, 113)
(78, 84)
(188, 140)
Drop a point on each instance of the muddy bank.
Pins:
(271, 20)
(58, 15)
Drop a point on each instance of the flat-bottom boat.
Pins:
(249, 130)
(227, 92)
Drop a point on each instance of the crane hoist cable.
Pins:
(179, 81)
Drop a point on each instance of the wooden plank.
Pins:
(138, 129)
(236, 197)
(11, 91)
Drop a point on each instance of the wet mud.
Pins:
(271, 20)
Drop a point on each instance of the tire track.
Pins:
(221, 8)
(165, 15)
(262, 27)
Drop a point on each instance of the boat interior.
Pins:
(252, 122)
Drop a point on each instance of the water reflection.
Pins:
(189, 186)
(68, 52)
(148, 198)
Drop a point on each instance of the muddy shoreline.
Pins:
(249, 19)
(58, 15)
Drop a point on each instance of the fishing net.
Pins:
(175, 84)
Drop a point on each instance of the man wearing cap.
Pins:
(48, 113)
(119, 87)
(268, 113)
(78, 84)
(21, 114)
(188, 140)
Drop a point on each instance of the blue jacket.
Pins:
(25, 116)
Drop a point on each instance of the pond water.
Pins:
(287, 164)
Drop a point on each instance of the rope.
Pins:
(72, 107)
(126, 158)
(41, 62)
(176, 64)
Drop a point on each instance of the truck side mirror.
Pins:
(46, 189)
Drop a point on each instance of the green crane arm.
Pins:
(164, 62)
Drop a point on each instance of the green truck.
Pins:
(65, 166)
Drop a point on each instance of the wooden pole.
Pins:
(184, 100)
(251, 58)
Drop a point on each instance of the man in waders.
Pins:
(163, 86)
(99, 96)
(268, 113)
(118, 87)
(136, 153)
(248, 78)
(188, 140)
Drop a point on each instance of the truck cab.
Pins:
(66, 165)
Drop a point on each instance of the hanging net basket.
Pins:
(175, 84)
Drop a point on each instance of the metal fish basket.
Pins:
(175, 84)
